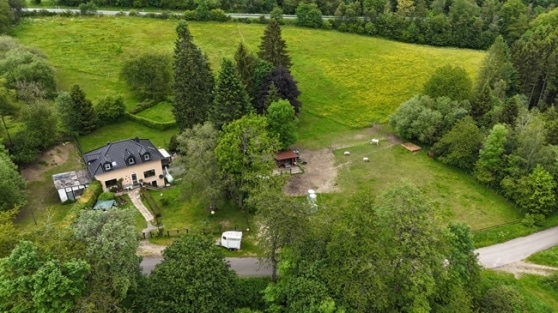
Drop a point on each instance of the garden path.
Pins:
(136, 200)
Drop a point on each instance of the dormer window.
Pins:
(131, 161)
(146, 157)
(107, 167)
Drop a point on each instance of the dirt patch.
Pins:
(148, 249)
(522, 267)
(319, 173)
(53, 157)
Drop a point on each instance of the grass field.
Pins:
(547, 257)
(125, 130)
(457, 195)
(347, 81)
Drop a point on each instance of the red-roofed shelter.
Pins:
(286, 158)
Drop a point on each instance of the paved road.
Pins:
(248, 267)
(517, 249)
(140, 12)
(489, 257)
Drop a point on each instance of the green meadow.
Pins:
(347, 81)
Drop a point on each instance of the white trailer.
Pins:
(230, 240)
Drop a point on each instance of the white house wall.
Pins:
(138, 169)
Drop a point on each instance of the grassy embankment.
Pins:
(347, 82)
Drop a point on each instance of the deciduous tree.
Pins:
(489, 168)
(148, 75)
(426, 119)
(245, 153)
(231, 101)
(111, 244)
(308, 15)
(536, 193)
(193, 278)
(449, 81)
(283, 219)
(202, 178)
(33, 282)
(282, 123)
(287, 88)
(460, 146)
(13, 191)
(273, 47)
(193, 81)
(409, 229)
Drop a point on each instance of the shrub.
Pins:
(190, 15)
(148, 75)
(90, 195)
(88, 8)
(218, 15)
(250, 292)
(146, 104)
(107, 195)
(110, 109)
(133, 13)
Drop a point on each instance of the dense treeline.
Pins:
(460, 23)
(504, 129)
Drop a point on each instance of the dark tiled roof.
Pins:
(118, 153)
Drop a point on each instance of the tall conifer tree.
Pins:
(77, 112)
(273, 48)
(246, 65)
(231, 100)
(193, 81)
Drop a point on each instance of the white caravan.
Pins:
(230, 240)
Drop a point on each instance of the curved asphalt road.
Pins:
(517, 249)
(489, 257)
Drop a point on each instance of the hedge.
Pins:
(90, 194)
(150, 123)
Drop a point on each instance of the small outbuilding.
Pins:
(104, 205)
(70, 185)
(286, 159)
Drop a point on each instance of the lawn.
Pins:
(161, 112)
(456, 195)
(125, 130)
(547, 257)
(43, 204)
(347, 81)
(187, 215)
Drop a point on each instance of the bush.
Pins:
(146, 104)
(148, 75)
(218, 15)
(190, 15)
(107, 195)
(502, 299)
(133, 13)
(90, 195)
(88, 8)
(110, 109)
(249, 292)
